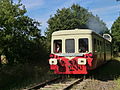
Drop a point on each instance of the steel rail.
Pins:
(74, 83)
(38, 86)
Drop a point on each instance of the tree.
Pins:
(116, 34)
(67, 18)
(16, 31)
(74, 17)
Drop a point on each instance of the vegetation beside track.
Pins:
(17, 77)
(118, 79)
(108, 72)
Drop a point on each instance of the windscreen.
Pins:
(70, 45)
(83, 45)
(57, 46)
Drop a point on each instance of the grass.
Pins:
(17, 77)
(118, 79)
(109, 71)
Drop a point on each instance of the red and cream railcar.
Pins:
(78, 51)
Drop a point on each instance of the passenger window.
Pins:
(100, 46)
(57, 46)
(70, 45)
(98, 42)
(94, 41)
(95, 44)
(83, 45)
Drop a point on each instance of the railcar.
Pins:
(78, 51)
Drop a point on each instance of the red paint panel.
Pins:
(66, 66)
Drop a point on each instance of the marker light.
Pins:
(53, 61)
(81, 61)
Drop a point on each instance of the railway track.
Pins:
(60, 83)
(38, 86)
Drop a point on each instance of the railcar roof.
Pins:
(72, 32)
(76, 32)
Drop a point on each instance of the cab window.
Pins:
(70, 46)
(57, 46)
(83, 45)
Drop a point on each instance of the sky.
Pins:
(41, 10)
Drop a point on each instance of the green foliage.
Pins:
(21, 76)
(74, 17)
(116, 34)
(20, 38)
(67, 18)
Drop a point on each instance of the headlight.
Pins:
(81, 61)
(53, 61)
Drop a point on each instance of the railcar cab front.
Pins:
(71, 51)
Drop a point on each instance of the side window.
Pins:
(98, 47)
(57, 46)
(83, 45)
(70, 46)
(95, 41)
(95, 44)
